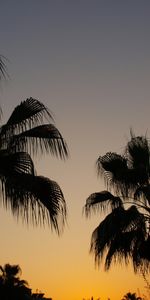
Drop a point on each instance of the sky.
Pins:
(89, 63)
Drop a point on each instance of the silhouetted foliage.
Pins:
(3, 68)
(131, 296)
(124, 234)
(34, 198)
(11, 286)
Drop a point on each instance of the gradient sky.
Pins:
(89, 62)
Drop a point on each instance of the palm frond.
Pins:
(12, 163)
(144, 248)
(3, 74)
(143, 191)
(112, 167)
(133, 219)
(37, 199)
(141, 256)
(101, 201)
(29, 113)
(3, 68)
(44, 137)
(111, 162)
(116, 173)
(105, 233)
(138, 152)
(119, 176)
(108, 236)
(121, 248)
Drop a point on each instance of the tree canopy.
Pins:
(124, 234)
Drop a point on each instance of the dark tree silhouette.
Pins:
(11, 286)
(131, 296)
(124, 234)
(35, 198)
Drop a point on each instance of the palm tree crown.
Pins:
(131, 296)
(11, 286)
(124, 234)
(36, 198)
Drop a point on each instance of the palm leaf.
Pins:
(3, 68)
(138, 152)
(143, 191)
(104, 233)
(46, 137)
(37, 199)
(121, 248)
(102, 201)
(119, 176)
(144, 248)
(113, 167)
(106, 236)
(111, 162)
(29, 113)
(3, 73)
(12, 163)
(133, 219)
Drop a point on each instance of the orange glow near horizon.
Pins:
(63, 268)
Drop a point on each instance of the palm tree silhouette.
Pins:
(124, 234)
(34, 198)
(11, 286)
(131, 296)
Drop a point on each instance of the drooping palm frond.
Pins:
(122, 247)
(104, 233)
(133, 219)
(119, 176)
(3, 74)
(3, 68)
(36, 199)
(111, 162)
(144, 252)
(12, 163)
(109, 236)
(144, 193)
(138, 153)
(46, 137)
(141, 258)
(101, 201)
(112, 166)
(26, 115)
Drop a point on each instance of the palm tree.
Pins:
(34, 198)
(11, 286)
(131, 296)
(124, 234)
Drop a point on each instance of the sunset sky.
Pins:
(89, 63)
